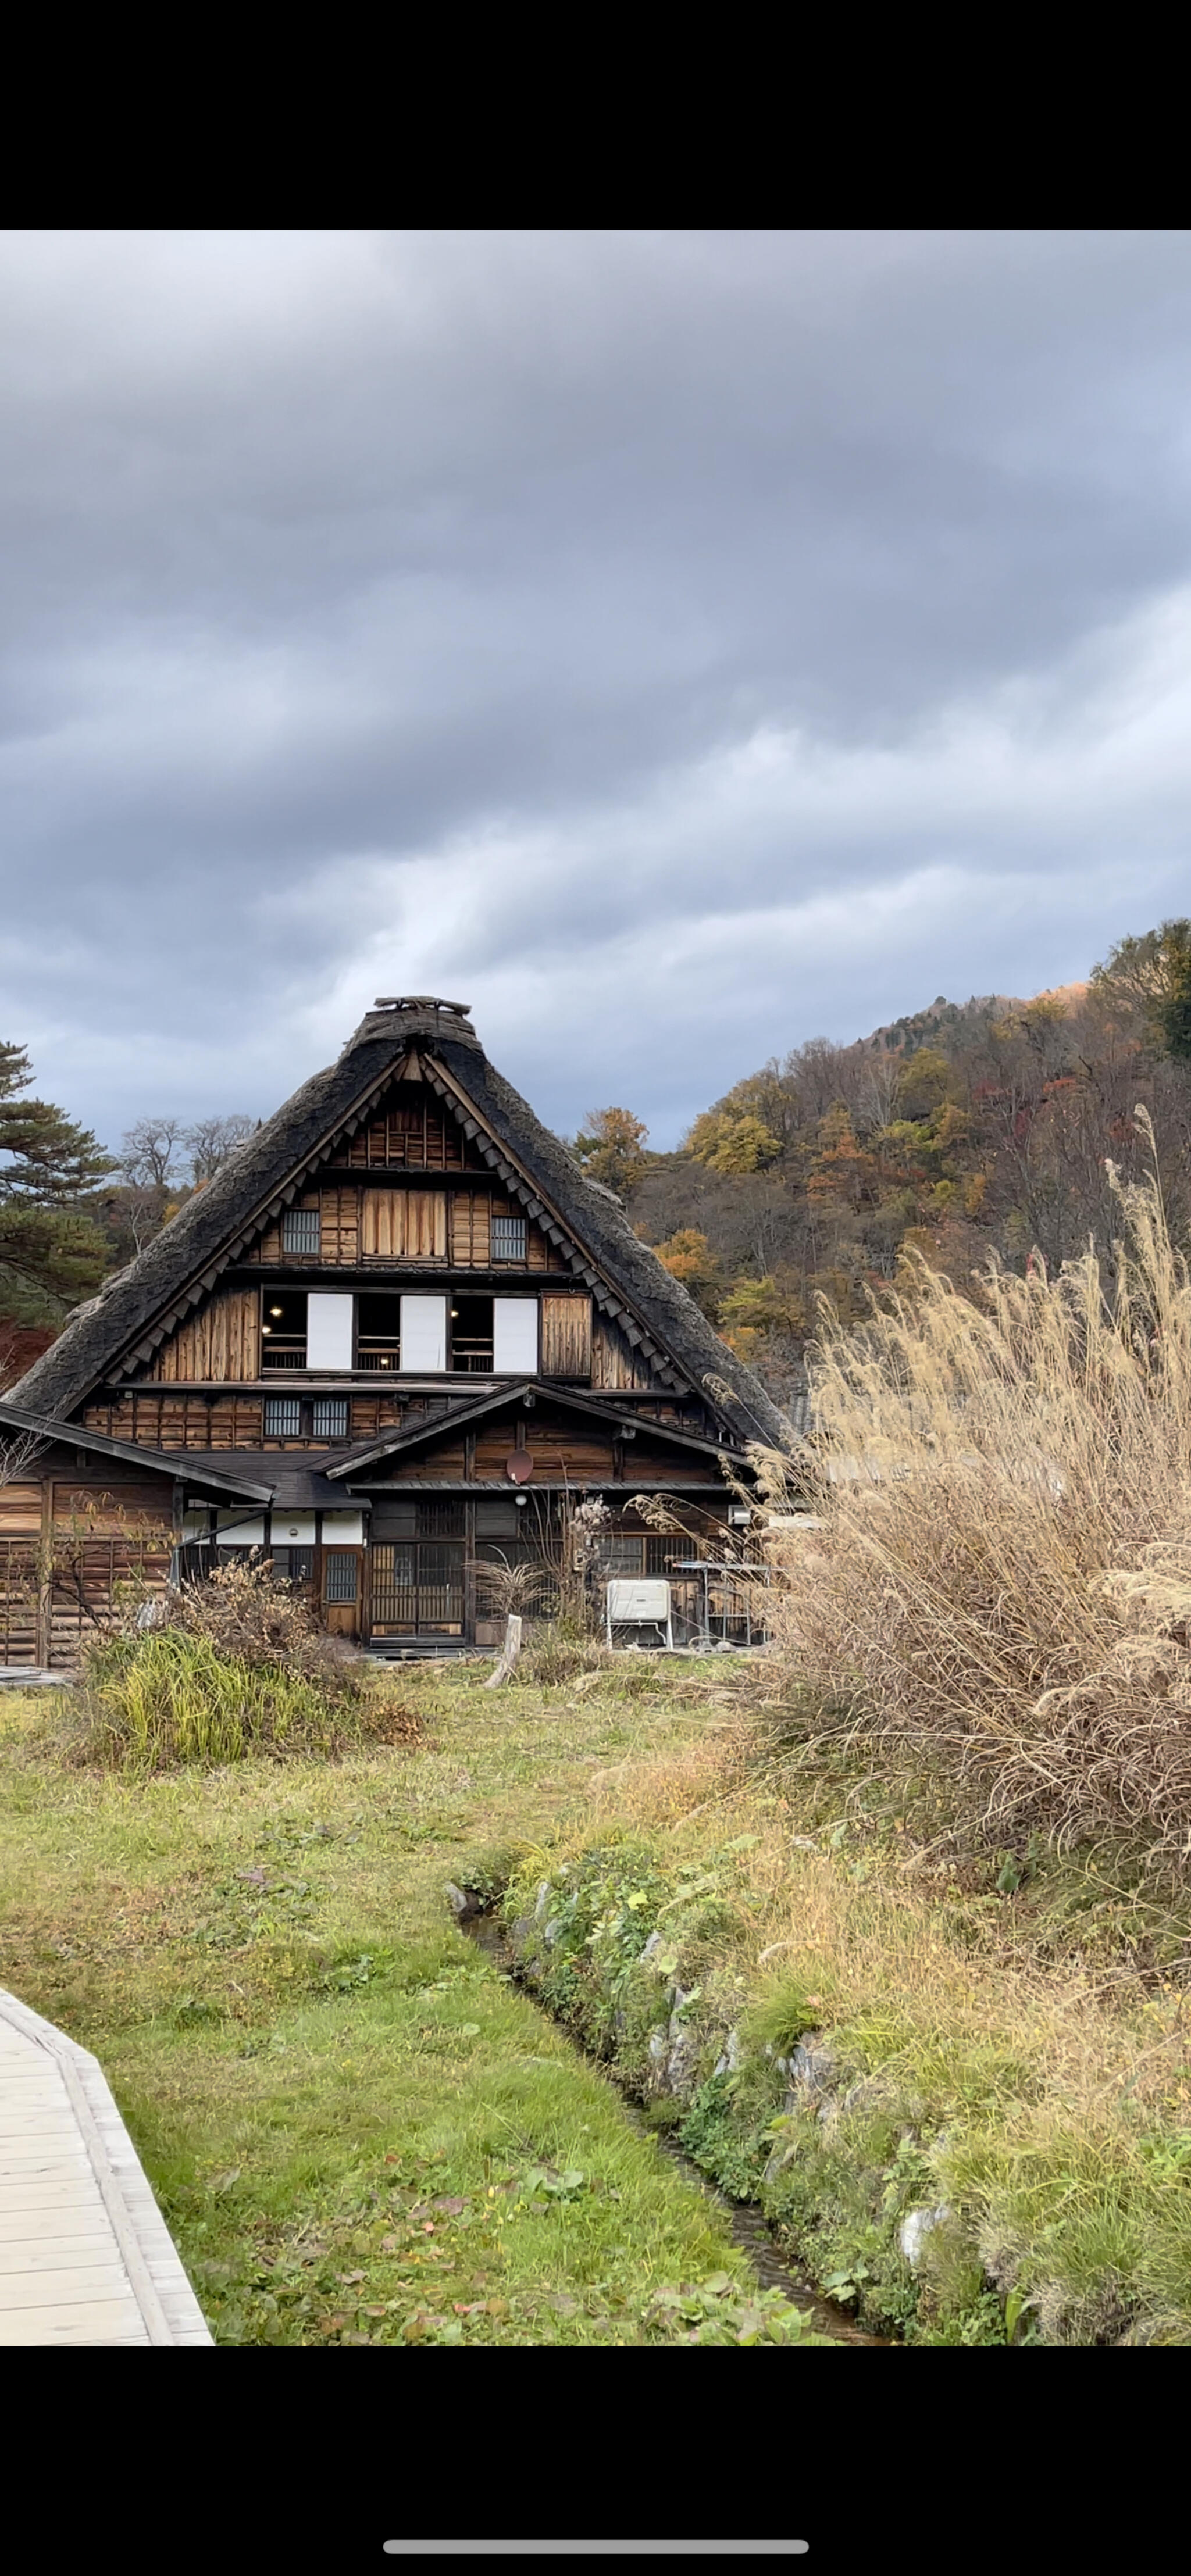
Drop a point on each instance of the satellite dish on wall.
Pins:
(519, 1467)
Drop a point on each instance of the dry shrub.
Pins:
(231, 1667)
(243, 1611)
(1000, 1588)
(558, 1652)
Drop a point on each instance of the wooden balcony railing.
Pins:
(470, 1357)
(283, 1352)
(379, 1353)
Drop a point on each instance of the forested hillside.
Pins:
(962, 1131)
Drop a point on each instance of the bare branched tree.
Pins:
(212, 1141)
(148, 1152)
(18, 1455)
(141, 1212)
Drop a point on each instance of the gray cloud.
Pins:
(678, 643)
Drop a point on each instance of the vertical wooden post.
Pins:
(45, 1579)
(511, 1650)
(365, 1601)
(469, 1573)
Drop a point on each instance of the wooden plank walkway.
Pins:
(85, 2254)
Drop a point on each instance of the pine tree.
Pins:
(51, 1254)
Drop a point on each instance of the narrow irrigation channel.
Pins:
(750, 2231)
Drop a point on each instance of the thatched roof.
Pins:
(118, 1329)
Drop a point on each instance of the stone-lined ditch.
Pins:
(478, 1918)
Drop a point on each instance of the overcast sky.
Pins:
(676, 645)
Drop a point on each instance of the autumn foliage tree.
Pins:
(610, 1147)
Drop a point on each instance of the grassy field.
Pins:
(361, 2131)
(358, 2129)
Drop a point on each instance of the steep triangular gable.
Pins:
(132, 1315)
(353, 1148)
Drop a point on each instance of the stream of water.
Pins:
(750, 2231)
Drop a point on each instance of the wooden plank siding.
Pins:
(59, 1574)
(84, 1592)
(615, 1365)
(410, 1131)
(221, 1340)
(566, 1337)
(155, 1421)
(404, 1225)
(556, 1448)
(648, 1462)
(227, 1423)
(359, 1226)
(445, 1465)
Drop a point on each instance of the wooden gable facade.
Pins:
(397, 1339)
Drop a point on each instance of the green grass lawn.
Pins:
(358, 2130)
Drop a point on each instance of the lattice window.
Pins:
(301, 1230)
(283, 1417)
(340, 1584)
(662, 1553)
(622, 1553)
(293, 1564)
(330, 1417)
(508, 1238)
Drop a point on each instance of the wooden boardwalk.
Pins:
(85, 2254)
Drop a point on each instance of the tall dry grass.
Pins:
(999, 1593)
(232, 1667)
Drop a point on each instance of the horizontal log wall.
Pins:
(86, 1587)
(18, 1600)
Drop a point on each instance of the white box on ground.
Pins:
(638, 1604)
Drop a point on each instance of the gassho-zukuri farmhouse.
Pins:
(387, 1344)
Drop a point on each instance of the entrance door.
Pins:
(417, 1588)
(341, 1590)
